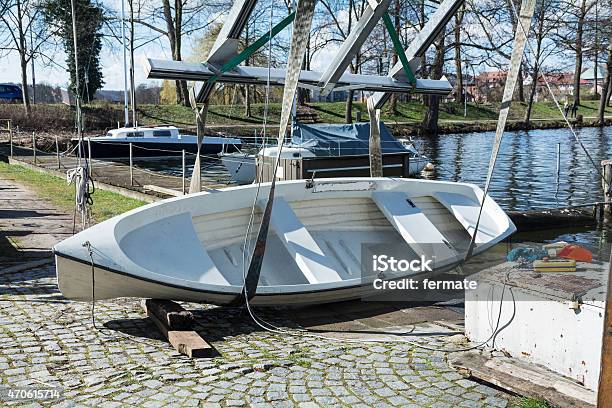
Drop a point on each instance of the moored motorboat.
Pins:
(324, 140)
(153, 141)
(192, 247)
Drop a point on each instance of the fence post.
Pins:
(34, 146)
(90, 163)
(10, 137)
(183, 171)
(59, 162)
(131, 170)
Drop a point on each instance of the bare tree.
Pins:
(571, 36)
(546, 26)
(23, 32)
(430, 121)
(174, 20)
(459, 94)
(607, 88)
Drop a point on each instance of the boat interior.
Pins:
(317, 241)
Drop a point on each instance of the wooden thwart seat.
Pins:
(411, 223)
(309, 257)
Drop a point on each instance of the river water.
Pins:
(525, 175)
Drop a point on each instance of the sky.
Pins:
(111, 62)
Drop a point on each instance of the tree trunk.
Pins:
(397, 23)
(606, 87)
(22, 60)
(521, 85)
(536, 65)
(430, 121)
(348, 112)
(459, 96)
(174, 27)
(578, 65)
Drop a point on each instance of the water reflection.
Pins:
(525, 175)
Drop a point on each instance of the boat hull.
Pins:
(113, 149)
(240, 167)
(196, 247)
(75, 282)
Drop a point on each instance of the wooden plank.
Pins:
(187, 342)
(551, 218)
(525, 379)
(190, 343)
(163, 190)
(170, 313)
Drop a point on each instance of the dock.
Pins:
(134, 181)
(569, 305)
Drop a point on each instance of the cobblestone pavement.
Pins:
(46, 340)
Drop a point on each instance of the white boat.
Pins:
(153, 141)
(242, 167)
(323, 140)
(191, 247)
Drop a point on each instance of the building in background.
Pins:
(590, 77)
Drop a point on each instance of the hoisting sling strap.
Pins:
(299, 41)
(520, 39)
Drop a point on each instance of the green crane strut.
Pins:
(398, 48)
(251, 49)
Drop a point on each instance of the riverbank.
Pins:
(230, 119)
(61, 194)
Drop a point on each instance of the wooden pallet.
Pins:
(524, 379)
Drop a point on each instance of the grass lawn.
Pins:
(106, 204)
(333, 112)
(99, 115)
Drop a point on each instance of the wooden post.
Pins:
(59, 162)
(183, 171)
(34, 146)
(175, 323)
(131, 170)
(90, 163)
(376, 164)
(606, 170)
(604, 395)
(10, 137)
(558, 160)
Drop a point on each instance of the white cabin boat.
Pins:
(153, 141)
(191, 247)
(323, 140)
